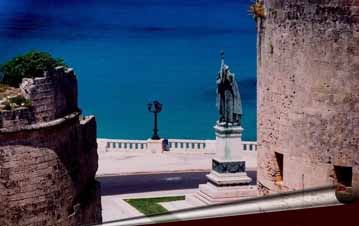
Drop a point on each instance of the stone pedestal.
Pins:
(154, 146)
(228, 180)
(228, 141)
(228, 173)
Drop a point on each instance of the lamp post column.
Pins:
(155, 130)
(155, 107)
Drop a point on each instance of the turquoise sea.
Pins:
(128, 52)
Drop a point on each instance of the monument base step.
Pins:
(194, 201)
(210, 194)
(240, 178)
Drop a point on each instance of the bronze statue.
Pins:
(228, 97)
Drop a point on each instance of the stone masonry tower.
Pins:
(308, 95)
(48, 156)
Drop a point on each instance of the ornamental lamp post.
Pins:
(155, 107)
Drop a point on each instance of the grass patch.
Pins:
(150, 206)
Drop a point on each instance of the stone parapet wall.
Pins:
(47, 174)
(16, 118)
(52, 96)
(308, 93)
(65, 91)
(42, 95)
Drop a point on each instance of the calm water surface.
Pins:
(129, 52)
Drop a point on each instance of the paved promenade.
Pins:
(113, 163)
(116, 163)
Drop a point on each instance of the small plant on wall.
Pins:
(257, 10)
(14, 102)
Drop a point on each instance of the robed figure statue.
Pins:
(228, 97)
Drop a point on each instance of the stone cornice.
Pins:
(41, 125)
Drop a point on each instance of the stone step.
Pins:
(211, 194)
(202, 198)
(228, 191)
(212, 200)
(194, 201)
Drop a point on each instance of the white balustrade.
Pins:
(122, 145)
(181, 145)
(175, 145)
(249, 146)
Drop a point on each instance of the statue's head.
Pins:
(226, 68)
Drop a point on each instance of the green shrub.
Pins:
(30, 65)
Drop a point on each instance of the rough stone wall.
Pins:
(47, 174)
(308, 92)
(16, 118)
(52, 96)
(65, 84)
(42, 94)
(48, 157)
